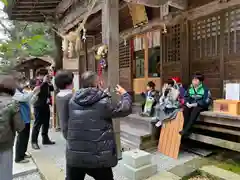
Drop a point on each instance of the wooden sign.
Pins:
(138, 13)
(170, 139)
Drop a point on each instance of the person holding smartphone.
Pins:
(42, 109)
(91, 146)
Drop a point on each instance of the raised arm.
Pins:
(124, 107)
(22, 97)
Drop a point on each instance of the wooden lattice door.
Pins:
(171, 52)
(231, 44)
(125, 73)
(205, 47)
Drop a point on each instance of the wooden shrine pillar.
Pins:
(58, 65)
(110, 37)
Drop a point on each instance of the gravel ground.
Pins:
(34, 176)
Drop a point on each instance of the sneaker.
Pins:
(23, 161)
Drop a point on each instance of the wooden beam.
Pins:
(132, 32)
(209, 8)
(222, 49)
(29, 19)
(63, 6)
(216, 142)
(76, 16)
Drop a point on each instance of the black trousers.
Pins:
(74, 173)
(42, 118)
(190, 116)
(22, 143)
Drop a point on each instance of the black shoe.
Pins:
(35, 146)
(48, 142)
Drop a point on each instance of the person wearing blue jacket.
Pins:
(24, 99)
(197, 99)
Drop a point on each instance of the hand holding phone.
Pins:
(120, 90)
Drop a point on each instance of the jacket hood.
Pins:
(88, 96)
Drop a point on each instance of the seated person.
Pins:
(197, 99)
(151, 97)
(181, 90)
(169, 104)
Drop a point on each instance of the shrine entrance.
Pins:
(145, 55)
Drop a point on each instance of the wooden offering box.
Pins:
(231, 107)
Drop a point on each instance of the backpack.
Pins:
(7, 112)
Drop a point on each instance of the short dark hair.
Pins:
(88, 79)
(41, 72)
(199, 76)
(170, 82)
(63, 79)
(151, 84)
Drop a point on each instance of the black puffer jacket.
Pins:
(90, 136)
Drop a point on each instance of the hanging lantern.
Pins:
(84, 37)
(164, 29)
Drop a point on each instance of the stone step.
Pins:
(128, 145)
(131, 133)
(139, 122)
(136, 108)
(132, 138)
(150, 146)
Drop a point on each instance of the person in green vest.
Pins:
(197, 99)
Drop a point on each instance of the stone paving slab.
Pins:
(51, 159)
(189, 167)
(220, 173)
(33, 176)
(164, 175)
(23, 169)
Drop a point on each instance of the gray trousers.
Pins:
(6, 165)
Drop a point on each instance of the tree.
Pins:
(24, 39)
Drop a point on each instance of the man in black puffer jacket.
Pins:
(91, 146)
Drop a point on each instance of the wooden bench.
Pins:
(218, 129)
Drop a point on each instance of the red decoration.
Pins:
(177, 79)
